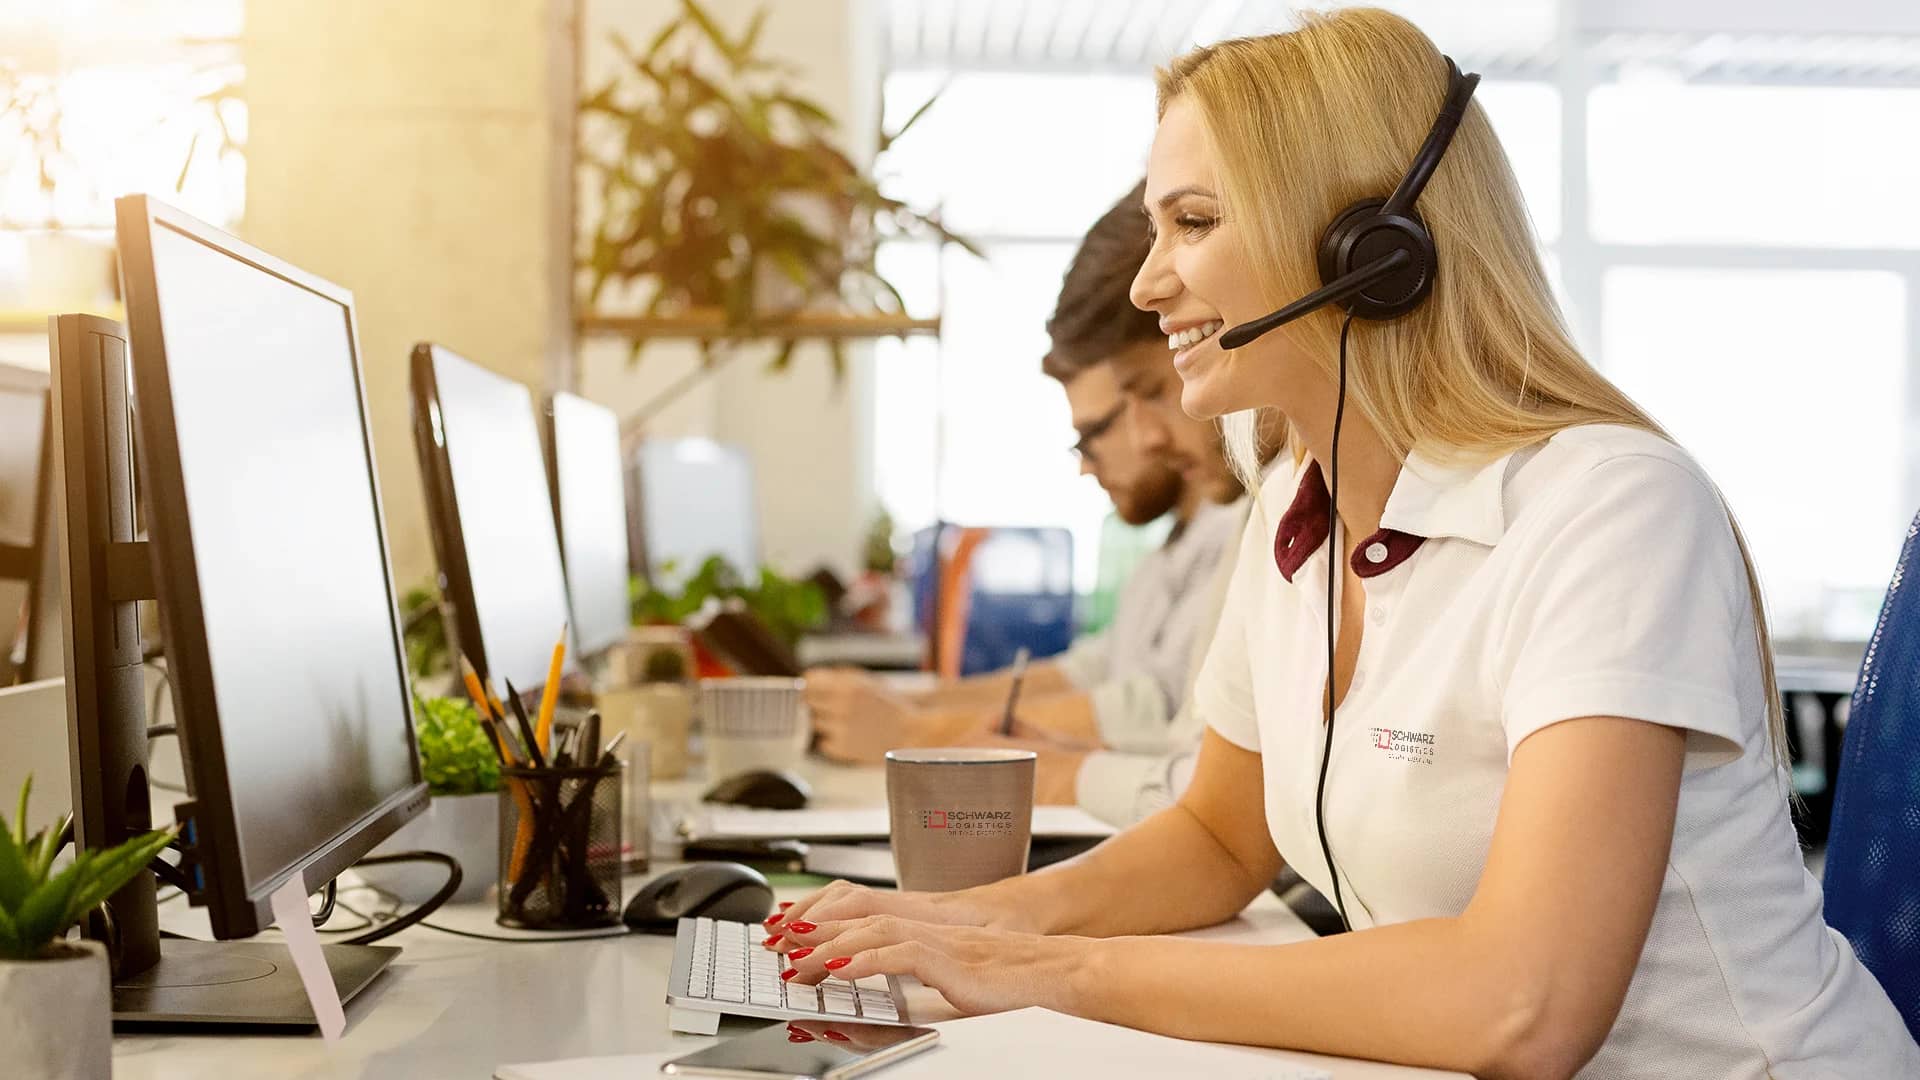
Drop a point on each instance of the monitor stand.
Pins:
(251, 983)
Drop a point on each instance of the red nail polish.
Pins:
(772, 941)
(789, 973)
(802, 927)
(836, 1036)
(785, 904)
(771, 921)
(839, 962)
(798, 1037)
(800, 954)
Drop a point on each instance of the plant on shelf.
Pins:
(38, 906)
(788, 607)
(456, 756)
(719, 187)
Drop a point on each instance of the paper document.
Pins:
(865, 823)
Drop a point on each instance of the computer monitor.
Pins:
(28, 611)
(268, 557)
(590, 511)
(695, 499)
(491, 516)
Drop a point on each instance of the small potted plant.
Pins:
(463, 820)
(56, 1008)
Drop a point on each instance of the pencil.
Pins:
(1013, 692)
(483, 704)
(550, 694)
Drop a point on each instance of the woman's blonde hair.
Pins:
(1319, 117)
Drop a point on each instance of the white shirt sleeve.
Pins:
(1637, 608)
(1131, 713)
(1223, 693)
(1087, 662)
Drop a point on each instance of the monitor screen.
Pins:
(697, 501)
(501, 517)
(264, 510)
(590, 498)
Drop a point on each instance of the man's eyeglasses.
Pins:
(1092, 432)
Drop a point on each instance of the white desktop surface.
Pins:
(455, 1007)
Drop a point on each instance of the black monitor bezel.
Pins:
(234, 909)
(550, 442)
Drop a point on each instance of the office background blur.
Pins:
(1724, 190)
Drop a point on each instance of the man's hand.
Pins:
(858, 719)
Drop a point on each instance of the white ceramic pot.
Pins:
(56, 1016)
(466, 827)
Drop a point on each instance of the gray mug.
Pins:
(959, 817)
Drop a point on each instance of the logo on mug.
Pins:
(968, 821)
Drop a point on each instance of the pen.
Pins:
(588, 751)
(534, 753)
(550, 694)
(612, 745)
(1013, 692)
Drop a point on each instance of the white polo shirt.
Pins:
(1593, 574)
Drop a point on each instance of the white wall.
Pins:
(418, 154)
(809, 437)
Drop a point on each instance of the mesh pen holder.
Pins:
(560, 847)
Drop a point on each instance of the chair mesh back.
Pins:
(1873, 851)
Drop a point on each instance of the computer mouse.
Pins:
(765, 789)
(717, 890)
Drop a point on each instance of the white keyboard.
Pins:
(721, 967)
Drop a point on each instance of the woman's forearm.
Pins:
(1165, 874)
(1429, 993)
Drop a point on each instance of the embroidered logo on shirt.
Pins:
(1410, 746)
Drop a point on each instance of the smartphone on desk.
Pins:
(822, 1049)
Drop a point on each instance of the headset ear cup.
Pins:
(1360, 235)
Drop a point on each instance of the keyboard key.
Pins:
(872, 982)
(879, 1010)
(841, 1006)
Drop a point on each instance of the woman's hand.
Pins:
(977, 969)
(843, 901)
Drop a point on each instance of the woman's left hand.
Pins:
(978, 970)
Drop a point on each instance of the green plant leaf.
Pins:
(15, 879)
(39, 917)
(107, 871)
(10, 939)
(20, 821)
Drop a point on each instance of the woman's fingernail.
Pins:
(839, 962)
(770, 942)
(789, 973)
(785, 904)
(802, 927)
(797, 1036)
(800, 954)
(771, 921)
(836, 1036)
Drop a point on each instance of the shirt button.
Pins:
(1379, 614)
(1376, 552)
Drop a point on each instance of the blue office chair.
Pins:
(1018, 593)
(1873, 850)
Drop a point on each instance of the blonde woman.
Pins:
(1554, 794)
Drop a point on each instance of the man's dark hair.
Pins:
(1093, 318)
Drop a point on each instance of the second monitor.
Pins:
(491, 516)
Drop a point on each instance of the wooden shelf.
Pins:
(711, 324)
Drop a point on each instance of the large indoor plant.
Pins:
(714, 184)
(463, 777)
(56, 1015)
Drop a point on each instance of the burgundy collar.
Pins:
(1303, 528)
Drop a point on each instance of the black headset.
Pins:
(1378, 259)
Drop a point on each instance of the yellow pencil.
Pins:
(550, 694)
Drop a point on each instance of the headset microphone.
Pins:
(1377, 258)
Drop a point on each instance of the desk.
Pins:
(453, 1007)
